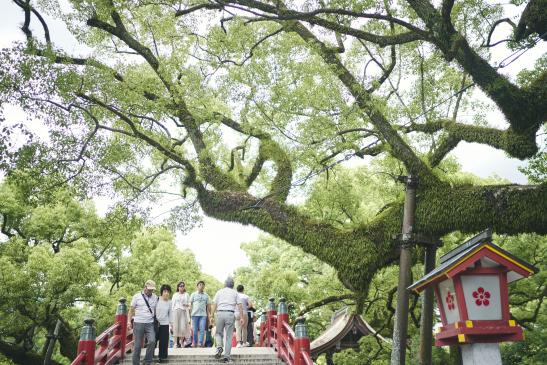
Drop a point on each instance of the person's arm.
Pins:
(214, 307)
(240, 308)
(190, 305)
(130, 317)
(173, 301)
(171, 317)
(131, 312)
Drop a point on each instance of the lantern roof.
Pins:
(477, 249)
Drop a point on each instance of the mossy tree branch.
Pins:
(525, 111)
(398, 147)
(515, 144)
(280, 13)
(359, 253)
(210, 171)
(269, 150)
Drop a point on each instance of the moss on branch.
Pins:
(520, 145)
(358, 254)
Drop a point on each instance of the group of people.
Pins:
(155, 318)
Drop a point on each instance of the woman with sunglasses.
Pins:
(181, 321)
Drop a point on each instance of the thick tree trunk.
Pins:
(19, 356)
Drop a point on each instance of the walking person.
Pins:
(181, 314)
(251, 325)
(200, 306)
(242, 322)
(164, 315)
(225, 303)
(143, 311)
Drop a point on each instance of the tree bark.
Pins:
(21, 357)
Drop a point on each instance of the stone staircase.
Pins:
(240, 356)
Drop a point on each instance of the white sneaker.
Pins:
(239, 345)
(246, 344)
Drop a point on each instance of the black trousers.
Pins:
(163, 338)
(250, 324)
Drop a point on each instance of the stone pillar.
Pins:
(481, 353)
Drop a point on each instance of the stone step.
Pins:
(200, 356)
(213, 362)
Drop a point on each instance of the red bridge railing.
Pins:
(110, 346)
(292, 347)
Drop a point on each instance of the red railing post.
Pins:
(263, 327)
(121, 319)
(301, 341)
(271, 321)
(282, 317)
(87, 342)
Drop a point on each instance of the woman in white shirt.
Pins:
(181, 321)
(164, 315)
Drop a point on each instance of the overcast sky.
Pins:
(216, 244)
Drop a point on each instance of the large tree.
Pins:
(237, 101)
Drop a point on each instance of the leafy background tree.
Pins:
(61, 261)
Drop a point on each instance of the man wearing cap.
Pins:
(226, 302)
(143, 312)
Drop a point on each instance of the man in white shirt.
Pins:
(143, 312)
(225, 303)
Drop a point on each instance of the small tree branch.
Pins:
(325, 301)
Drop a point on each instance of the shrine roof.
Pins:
(342, 323)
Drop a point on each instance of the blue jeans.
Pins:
(199, 322)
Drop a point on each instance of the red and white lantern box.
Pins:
(471, 290)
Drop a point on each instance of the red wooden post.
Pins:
(282, 317)
(87, 342)
(272, 313)
(301, 341)
(263, 327)
(121, 319)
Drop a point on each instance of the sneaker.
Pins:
(218, 354)
(246, 344)
(227, 359)
(239, 345)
